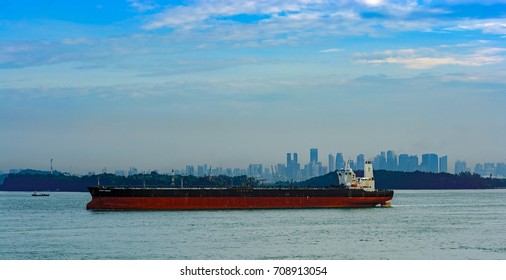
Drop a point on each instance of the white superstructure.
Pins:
(348, 178)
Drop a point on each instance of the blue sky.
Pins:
(162, 84)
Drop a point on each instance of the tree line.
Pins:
(56, 181)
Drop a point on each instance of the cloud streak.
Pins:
(143, 5)
(186, 17)
(430, 58)
(268, 23)
(331, 50)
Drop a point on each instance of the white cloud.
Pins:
(304, 18)
(76, 41)
(430, 58)
(372, 2)
(195, 14)
(143, 5)
(490, 26)
(330, 50)
(185, 16)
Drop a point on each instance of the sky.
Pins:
(163, 84)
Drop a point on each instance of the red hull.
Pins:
(193, 203)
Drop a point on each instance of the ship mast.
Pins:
(173, 178)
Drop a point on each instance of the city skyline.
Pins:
(294, 169)
(158, 84)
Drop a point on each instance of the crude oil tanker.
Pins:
(351, 191)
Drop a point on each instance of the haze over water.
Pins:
(420, 225)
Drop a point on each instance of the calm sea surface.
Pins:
(467, 224)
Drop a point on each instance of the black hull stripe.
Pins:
(235, 192)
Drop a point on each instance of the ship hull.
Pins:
(104, 198)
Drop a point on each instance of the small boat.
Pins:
(35, 193)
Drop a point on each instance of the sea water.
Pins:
(443, 224)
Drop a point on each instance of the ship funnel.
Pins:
(368, 170)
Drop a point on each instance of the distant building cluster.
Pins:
(409, 163)
(293, 170)
(490, 169)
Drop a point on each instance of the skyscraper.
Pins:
(443, 164)
(313, 155)
(360, 162)
(292, 166)
(255, 170)
(380, 161)
(391, 161)
(403, 162)
(489, 169)
(316, 169)
(478, 169)
(460, 167)
(332, 163)
(500, 169)
(190, 170)
(339, 161)
(413, 163)
(289, 166)
(295, 166)
(430, 163)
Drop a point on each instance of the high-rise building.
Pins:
(460, 167)
(292, 166)
(391, 161)
(380, 161)
(267, 173)
(296, 166)
(324, 170)
(190, 170)
(229, 172)
(255, 170)
(443, 164)
(313, 155)
(132, 171)
(332, 163)
(314, 167)
(289, 166)
(200, 171)
(500, 169)
(360, 162)
(478, 169)
(413, 163)
(317, 169)
(352, 165)
(489, 169)
(340, 164)
(238, 172)
(430, 163)
(403, 162)
(281, 170)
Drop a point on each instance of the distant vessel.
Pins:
(351, 191)
(35, 193)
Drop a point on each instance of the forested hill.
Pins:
(384, 180)
(417, 180)
(71, 183)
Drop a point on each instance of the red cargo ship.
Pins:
(351, 192)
